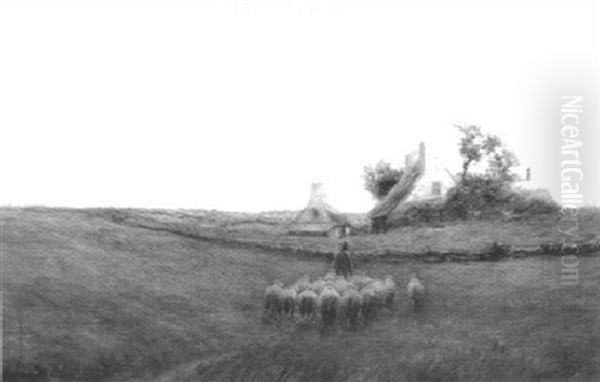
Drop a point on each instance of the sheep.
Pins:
(373, 298)
(317, 286)
(350, 306)
(389, 292)
(302, 284)
(288, 299)
(273, 299)
(307, 301)
(360, 281)
(340, 284)
(329, 302)
(370, 302)
(329, 277)
(416, 291)
(380, 289)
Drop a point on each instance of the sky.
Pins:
(239, 106)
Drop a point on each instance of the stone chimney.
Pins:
(415, 156)
(317, 195)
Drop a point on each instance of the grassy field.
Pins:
(90, 295)
(269, 229)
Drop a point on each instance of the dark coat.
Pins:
(342, 265)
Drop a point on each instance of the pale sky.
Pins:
(241, 105)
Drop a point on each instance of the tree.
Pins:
(380, 179)
(500, 165)
(474, 146)
(482, 193)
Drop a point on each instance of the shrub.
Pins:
(480, 195)
(497, 251)
(380, 179)
(477, 195)
(423, 211)
(532, 203)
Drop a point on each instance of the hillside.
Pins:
(268, 231)
(88, 295)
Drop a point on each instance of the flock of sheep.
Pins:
(336, 298)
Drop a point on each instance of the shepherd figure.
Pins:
(342, 265)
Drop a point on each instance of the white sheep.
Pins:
(380, 290)
(360, 281)
(416, 291)
(288, 300)
(329, 300)
(302, 284)
(370, 302)
(317, 286)
(329, 276)
(389, 292)
(350, 306)
(341, 285)
(273, 299)
(374, 295)
(307, 302)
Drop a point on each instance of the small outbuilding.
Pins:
(319, 218)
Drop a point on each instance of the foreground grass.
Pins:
(506, 321)
(89, 297)
(86, 297)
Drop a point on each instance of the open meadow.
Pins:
(132, 295)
